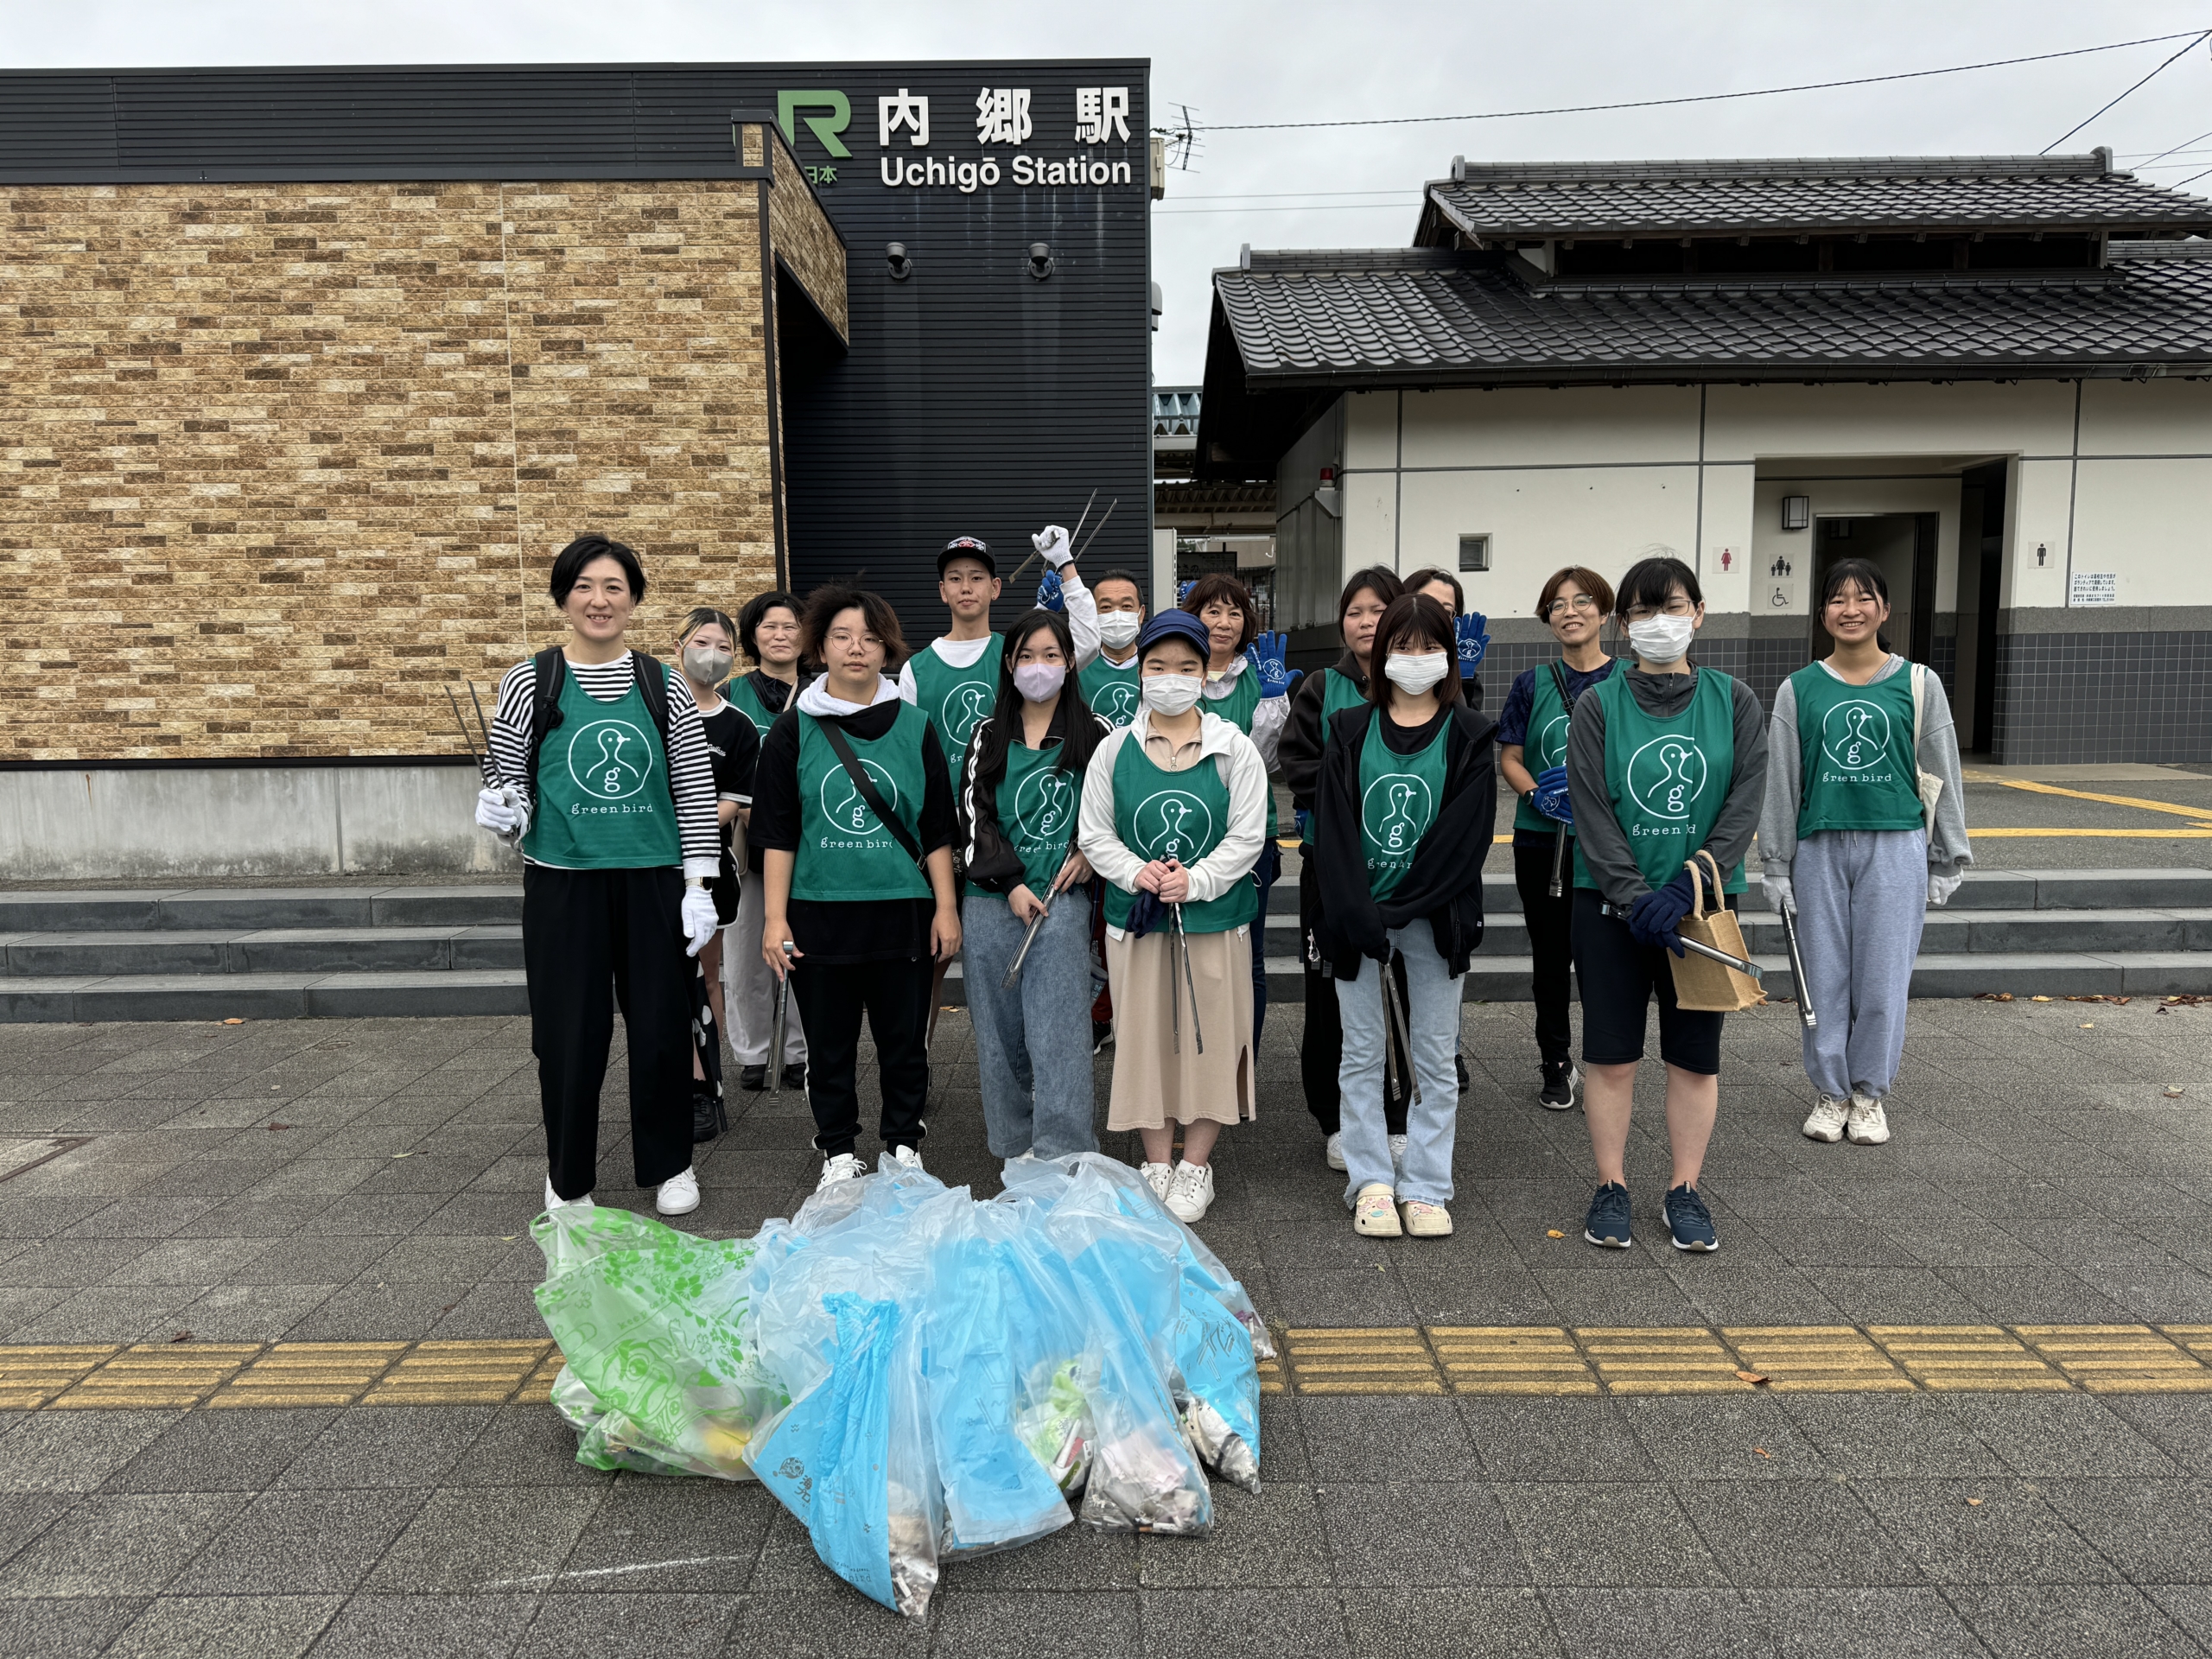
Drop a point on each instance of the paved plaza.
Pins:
(227, 1187)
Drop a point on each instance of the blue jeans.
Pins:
(1433, 1026)
(1033, 1043)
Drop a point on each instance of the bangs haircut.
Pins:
(1221, 587)
(748, 620)
(1583, 577)
(1432, 574)
(1869, 579)
(1652, 582)
(823, 607)
(1380, 578)
(700, 617)
(568, 566)
(1413, 619)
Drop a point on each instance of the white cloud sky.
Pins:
(1300, 62)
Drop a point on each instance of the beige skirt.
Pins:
(1155, 1081)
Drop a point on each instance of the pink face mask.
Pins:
(1037, 680)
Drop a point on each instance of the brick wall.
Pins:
(278, 461)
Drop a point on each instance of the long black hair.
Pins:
(1868, 575)
(1651, 581)
(1073, 724)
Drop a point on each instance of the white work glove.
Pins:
(1941, 887)
(700, 924)
(1780, 895)
(501, 810)
(1052, 542)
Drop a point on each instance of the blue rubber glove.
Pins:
(1049, 594)
(1473, 632)
(1300, 815)
(1268, 656)
(1182, 593)
(1551, 796)
(1654, 918)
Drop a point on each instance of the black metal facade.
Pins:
(975, 399)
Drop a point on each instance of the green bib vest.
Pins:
(1858, 769)
(1182, 815)
(1037, 804)
(956, 699)
(1667, 780)
(603, 800)
(1338, 691)
(1545, 747)
(1238, 709)
(1111, 691)
(746, 701)
(1399, 795)
(845, 854)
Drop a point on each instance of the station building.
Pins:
(1993, 375)
(307, 374)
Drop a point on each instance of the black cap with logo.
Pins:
(967, 547)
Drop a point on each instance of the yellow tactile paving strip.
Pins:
(1435, 1360)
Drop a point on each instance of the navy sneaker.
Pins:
(1690, 1220)
(1606, 1226)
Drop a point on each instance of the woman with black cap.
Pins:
(606, 782)
(1175, 814)
(767, 632)
(852, 809)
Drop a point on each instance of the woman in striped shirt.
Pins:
(605, 780)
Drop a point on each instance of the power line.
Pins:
(2192, 35)
(2138, 85)
(2181, 148)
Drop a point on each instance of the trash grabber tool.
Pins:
(1013, 974)
(1183, 951)
(1100, 525)
(481, 757)
(776, 1029)
(1805, 1014)
(1738, 964)
(1032, 559)
(1559, 862)
(478, 705)
(1396, 1035)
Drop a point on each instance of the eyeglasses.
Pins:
(1580, 601)
(846, 637)
(1678, 606)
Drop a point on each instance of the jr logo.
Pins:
(1395, 813)
(1856, 735)
(963, 706)
(610, 759)
(1119, 705)
(842, 804)
(826, 128)
(1173, 824)
(1044, 806)
(1666, 776)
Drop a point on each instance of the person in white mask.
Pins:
(704, 644)
(1406, 802)
(1110, 680)
(1174, 816)
(1663, 761)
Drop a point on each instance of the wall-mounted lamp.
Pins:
(1040, 260)
(901, 266)
(1797, 511)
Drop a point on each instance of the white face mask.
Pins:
(1662, 638)
(707, 667)
(1171, 693)
(1414, 673)
(1120, 628)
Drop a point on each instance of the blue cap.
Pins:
(1176, 624)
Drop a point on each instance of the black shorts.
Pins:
(1617, 977)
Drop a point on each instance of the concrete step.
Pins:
(265, 951)
(243, 909)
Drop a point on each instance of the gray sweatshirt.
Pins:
(1604, 843)
(1948, 850)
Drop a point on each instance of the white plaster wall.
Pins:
(1836, 497)
(2150, 524)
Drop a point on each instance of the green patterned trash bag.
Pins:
(651, 1323)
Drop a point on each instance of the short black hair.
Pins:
(748, 619)
(1651, 581)
(569, 565)
(1117, 573)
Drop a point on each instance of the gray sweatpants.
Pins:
(1862, 898)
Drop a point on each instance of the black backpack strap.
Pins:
(550, 672)
(652, 685)
(866, 785)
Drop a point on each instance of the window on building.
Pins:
(1474, 552)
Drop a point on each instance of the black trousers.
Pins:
(1551, 943)
(1321, 1048)
(581, 928)
(1620, 980)
(895, 996)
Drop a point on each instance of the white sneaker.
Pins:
(1333, 1150)
(554, 1200)
(1827, 1119)
(843, 1167)
(1191, 1193)
(1158, 1178)
(1870, 1123)
(678, 1194)
(905, 1157)
(1398, 1154)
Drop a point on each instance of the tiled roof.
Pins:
(2068, 194)
(1429, 316)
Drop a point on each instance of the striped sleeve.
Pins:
(691, 779)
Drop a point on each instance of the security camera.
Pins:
(901, 266)
(1040, 260)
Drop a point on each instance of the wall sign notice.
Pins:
(2094, 587)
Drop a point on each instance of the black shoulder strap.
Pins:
(1559, 679)
(652, 685)
(866, 785)
(550, 672)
